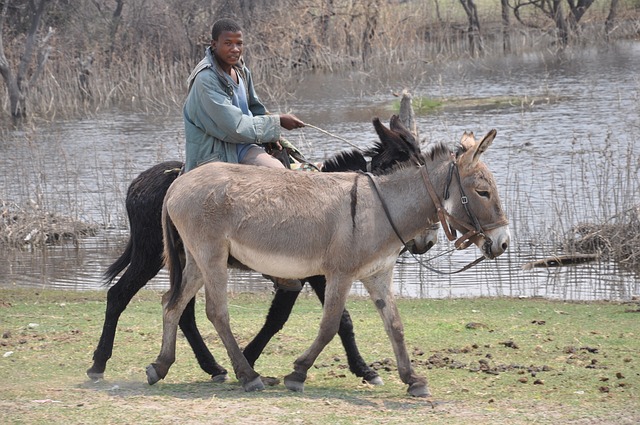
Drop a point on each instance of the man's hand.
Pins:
(290, 121)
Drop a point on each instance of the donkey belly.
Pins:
(288, 266)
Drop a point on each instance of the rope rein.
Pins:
(335, 136)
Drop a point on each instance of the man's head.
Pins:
(226, 42)
(222, 25)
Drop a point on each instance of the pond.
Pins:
(564, 154)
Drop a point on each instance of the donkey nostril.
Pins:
(505, 246)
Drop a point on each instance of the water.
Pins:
(572, 111)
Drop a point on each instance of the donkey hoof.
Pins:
(419, 389)
(93, 375)
(152, 375)
(295, 381)
(376, 380)
(253, 385)
(223, 377)
(294, 385)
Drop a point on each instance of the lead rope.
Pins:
(333, 135)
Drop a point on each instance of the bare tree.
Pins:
(553, 9)
(577, 10)
(506, 26)
(114, 24)
(328, 10)
(473, 31)
(18, 83)
(372, 12)
(611, 18)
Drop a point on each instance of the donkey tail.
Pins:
(120, 264)
(171, 256)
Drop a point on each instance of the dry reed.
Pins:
(145, 69)
(31, 225)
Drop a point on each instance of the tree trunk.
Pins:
(116, 18)
(578, 10)
(372, 12)
(506, 26)
(561, 23)
(611, 19)
(475, 39)
(325, 18)
(18, 84)
(5, 68)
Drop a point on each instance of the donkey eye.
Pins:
(483, 193)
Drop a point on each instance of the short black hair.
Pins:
(222, 25)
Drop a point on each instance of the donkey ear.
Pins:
(474, 148)
(387, 136)
(410, 144)
(484, 144)
(468, 141)
(383, 132)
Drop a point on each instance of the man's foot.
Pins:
(293, 285)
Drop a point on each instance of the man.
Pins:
(223, 116)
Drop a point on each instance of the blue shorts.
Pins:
(243, 148)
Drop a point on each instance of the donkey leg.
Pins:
(205, 359)
(335, 299)
(357, 365)
(139, 272)
(218, 314)
(191, 282)
(379, 288)
(279, 312)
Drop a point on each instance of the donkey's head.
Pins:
(466, 197)
(472, 201)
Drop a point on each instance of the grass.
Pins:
(487, 361)
(424, 105)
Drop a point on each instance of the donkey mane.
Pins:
(441, 149)
(349, 160)
(437, 150)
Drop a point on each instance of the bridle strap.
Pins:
(385, 208)
(443, 221)
(446, 219)
(443, 214)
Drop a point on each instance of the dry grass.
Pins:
(29, 224)
(148, 73)
(617, 239)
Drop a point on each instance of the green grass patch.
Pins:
(488, 360)
(425, 105)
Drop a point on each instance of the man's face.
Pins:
(228, 47)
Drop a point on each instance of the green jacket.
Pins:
(213, 125)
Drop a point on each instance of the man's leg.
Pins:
(257, 156)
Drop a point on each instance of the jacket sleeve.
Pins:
(255, 105)
(212, 110)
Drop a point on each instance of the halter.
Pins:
(463, 241)
(446, 218)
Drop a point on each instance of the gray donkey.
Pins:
(346, 226)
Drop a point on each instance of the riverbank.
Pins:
(488, 360)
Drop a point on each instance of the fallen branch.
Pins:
(561, 261)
